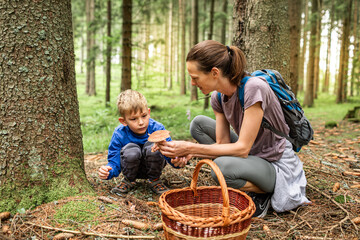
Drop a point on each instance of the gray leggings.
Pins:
(236, 170)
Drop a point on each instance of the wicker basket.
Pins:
(206, 212)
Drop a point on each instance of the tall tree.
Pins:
(210, 36)
(304, 47)
(344, 54)
(170, 52)
(262, 32)
(317, 49)
(295, 24)
(195, 38)
(40, 139)
(355, 49)
(108, 54)
(90, 48)
(224, 21)
(328, 52)
(126, 42)
(309, 91)
(182, 9)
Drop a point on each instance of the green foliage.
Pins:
(78, 211)
(341, 199)
(331, 124)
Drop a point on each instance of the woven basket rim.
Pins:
(196, 221)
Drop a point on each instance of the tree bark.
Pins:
(126, 42)
(355, 49)
(309, 92)
(262, 32)
(295, 23)
(108, 55)
(41, 147)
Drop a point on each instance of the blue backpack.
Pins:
(301, 131)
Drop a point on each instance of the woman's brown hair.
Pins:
(230, 60)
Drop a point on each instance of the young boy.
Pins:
(129, 150)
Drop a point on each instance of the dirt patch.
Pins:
(332, 157)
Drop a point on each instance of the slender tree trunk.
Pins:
(182, 8)
(328, 54)
(210, 35)
(126, 42)
(41, 148)
(264, 38)
(355, 49)
(344, 55)
(295, 23)
(224, 21)
(317, 49)
(166, 51)
(147, 42)
(90, 45)
(82, 50)
(309, 93)
(170, 52)
(304, 47)
(195, 37)
(108, 55)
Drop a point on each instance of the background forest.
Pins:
(143, 45)
(63, 63)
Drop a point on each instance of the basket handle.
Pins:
(226, 206)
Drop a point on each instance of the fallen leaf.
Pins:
(61, 236)
(336, 187)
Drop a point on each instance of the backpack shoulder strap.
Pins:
(219, 97)
(241, 90)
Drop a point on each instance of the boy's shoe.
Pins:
(262, 203)
(124, 187)
(157, 186)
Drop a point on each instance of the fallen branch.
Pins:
(347, 173)
(337, 204)
(92, 234)
(296, 215)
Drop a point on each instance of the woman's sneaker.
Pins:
(262, 203)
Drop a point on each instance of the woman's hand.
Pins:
(173, 149)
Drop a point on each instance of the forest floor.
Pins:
(332, 157)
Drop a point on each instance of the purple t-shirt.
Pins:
(267, 144)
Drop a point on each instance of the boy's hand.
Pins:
(104, 172)
(180, 161)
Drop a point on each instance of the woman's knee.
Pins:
(197, 123)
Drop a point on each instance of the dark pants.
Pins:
(141, 163)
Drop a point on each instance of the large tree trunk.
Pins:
(182, 8)
(40, 138)
(344, 54)
(295, 24)
(126, 42)
(195, 37)
(108, 54)
(90, 48)
(328, 53)
(262, 32)
(309, 92)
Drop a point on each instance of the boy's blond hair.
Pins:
(131, 101)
